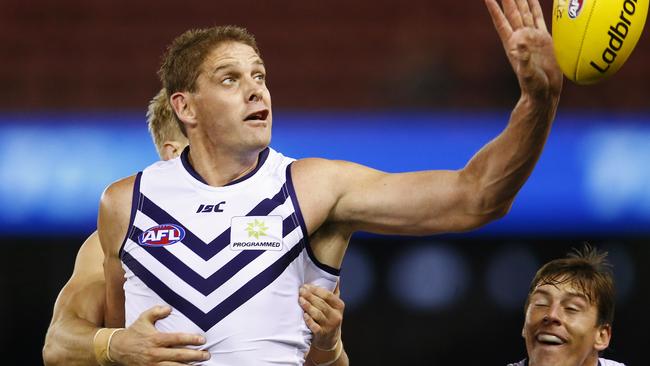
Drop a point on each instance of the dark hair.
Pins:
(588, 270)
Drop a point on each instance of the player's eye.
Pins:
(259, 77)
(229, 80)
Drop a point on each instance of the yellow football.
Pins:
(593, 38)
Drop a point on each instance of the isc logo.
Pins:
(211, 208)
(161, 235)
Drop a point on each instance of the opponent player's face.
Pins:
(561, 328)
(232, 100)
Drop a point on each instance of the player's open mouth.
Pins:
(258, 116)
(550, 339)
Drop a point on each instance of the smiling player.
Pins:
(570, 311)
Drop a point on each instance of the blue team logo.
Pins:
(161, 235)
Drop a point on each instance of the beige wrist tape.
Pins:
(102, 345)
(322, 357)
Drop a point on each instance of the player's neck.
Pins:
(218, 167)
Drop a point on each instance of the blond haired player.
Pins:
(79, 308)
(273, 221)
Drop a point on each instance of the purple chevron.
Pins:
(203, 320)
(198, 246)
(207, 285)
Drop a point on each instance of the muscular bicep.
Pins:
(85, 289)
(416, 203)
(82, 296)
(78, 310)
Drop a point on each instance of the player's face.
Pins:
(561, 328)
(232, 100)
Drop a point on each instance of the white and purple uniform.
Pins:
(229, 260)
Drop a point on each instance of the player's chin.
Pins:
(260, 140)
(548, 357)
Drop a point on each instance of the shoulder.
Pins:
(323, 168)
(311, 163)
(317, 175)
(114, 213)
(118, 193)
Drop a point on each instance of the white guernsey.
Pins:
(231, 273)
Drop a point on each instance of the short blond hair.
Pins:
(162, 122)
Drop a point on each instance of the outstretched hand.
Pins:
(528, 45)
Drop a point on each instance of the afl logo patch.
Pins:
(574, 8)
(161, 235)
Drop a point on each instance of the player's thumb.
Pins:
(155, 313)
(521, 55)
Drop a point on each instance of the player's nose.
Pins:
(552, 315)
(255, 91)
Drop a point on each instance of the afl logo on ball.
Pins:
(574, 8)
(161, 235)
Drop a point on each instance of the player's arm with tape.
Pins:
(428, 202)
(79, 316)
(140, 343)
(323, 313)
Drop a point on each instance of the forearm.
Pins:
(334, 357)
(341, 361)
(69, 342)
(501, 167)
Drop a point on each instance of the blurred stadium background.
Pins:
(397, 86)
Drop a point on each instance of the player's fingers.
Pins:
(526, 15)
(179, 339)
(511, 12)
(501, 24)
(331, 299)
(538, 15)
(165, 363)
(311, 324)
(313, 311)
(317, 302)
(181, 355)
(337, 289)
(155, 313)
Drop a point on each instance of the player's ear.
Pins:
(603, 335)
(171, 149)
(183, 107)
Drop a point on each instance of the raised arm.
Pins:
(429, 202)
